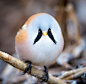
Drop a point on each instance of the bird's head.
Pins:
(42, 26)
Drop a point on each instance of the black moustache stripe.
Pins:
(38, 36)
(51, 36)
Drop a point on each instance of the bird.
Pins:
(39, 41)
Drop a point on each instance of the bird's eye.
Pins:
(38, 36)
(40, 30)
(51, 35)
(49, 29)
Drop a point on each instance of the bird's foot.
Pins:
(45, 76)
(28, 67)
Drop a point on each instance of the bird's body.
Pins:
(40, 40)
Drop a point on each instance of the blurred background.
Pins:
(71, 15)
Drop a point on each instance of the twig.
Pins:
(82, 70)
(72, 74)
(22, 66)
(67, 73)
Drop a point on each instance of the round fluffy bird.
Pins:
(39, 41)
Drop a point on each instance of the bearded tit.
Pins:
(39, 41)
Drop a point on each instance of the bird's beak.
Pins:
(44, 33)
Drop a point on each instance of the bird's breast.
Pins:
(43, 52)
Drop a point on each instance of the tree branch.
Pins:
(68, 75)
(22, 66)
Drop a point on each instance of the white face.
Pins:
(44, 23)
